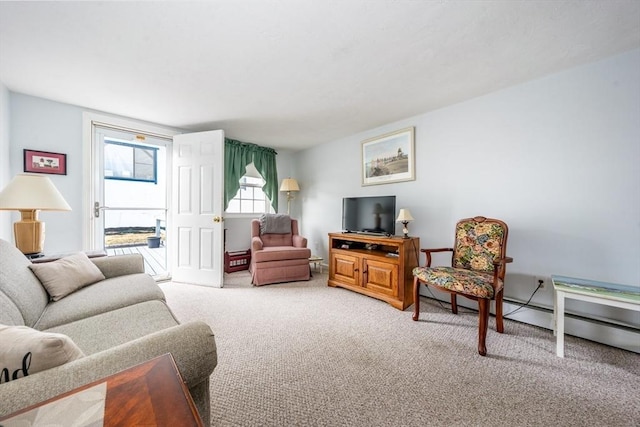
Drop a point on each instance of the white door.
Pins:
(196, 214)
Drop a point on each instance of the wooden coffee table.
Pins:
(152, 393)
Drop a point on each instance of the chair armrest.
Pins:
(299, 241)
(192, 345)
(428, 253)
(498, 267)
(504, 260)
(256, 244)
(119, 265)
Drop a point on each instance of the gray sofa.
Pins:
(118, 322)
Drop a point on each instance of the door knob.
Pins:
(218, 219)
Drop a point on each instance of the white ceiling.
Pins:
(294, 73)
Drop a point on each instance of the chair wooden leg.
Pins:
(499, 320)
(454, 304)
(416, 298)
(483, 323)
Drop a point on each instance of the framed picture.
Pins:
(389, 158)
(45, 162)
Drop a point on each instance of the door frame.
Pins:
(88, 157)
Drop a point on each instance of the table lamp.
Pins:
(405, 217)
(289, 185)
(29, 194)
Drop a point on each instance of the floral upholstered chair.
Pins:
(477, 270)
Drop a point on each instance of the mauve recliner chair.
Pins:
(278, 257)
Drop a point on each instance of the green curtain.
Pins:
(237, 155)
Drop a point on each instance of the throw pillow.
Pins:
(66, 275)
(25, 351)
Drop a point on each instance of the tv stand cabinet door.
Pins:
(345, 269)
(380, 277)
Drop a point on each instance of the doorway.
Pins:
(130, 188)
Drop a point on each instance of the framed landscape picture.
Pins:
(45, 162)
(389, 158)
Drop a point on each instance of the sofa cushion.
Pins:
(106, 295)
(103, 331)
(20, 285)
(67, 275)
(25, 351)
(9, 313)
(280, 253)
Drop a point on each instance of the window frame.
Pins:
(237, 197)
(133, 146)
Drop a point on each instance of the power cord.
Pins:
(540, 283)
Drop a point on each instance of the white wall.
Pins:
(44, 125)
(6, 232)
(556, 158)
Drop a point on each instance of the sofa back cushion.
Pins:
(9, 313)
(20, 285)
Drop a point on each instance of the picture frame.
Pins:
(389, 158)
(45, 162)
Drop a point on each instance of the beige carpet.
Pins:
(304, 354)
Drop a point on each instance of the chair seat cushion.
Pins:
(466, 282)
(280, 253)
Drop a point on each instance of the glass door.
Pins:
(130, 207)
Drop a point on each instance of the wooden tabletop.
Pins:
(152, 393)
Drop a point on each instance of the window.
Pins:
(130, 162)
(250, 198)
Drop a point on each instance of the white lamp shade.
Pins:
(32, 192)
(289, 184)
(404, 215)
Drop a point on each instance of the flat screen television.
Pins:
(375, 214)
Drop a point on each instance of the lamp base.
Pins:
(405, 230)
(29, 233)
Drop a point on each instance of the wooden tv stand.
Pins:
(365, 264)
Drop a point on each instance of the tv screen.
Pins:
(376, 214)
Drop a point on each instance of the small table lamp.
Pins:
(404, 217)
(289, 185)
(29, 194)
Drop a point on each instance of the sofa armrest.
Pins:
(192, 345)
(299, 241)
(120, 265)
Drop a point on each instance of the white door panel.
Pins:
(198, 170)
